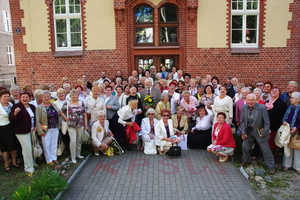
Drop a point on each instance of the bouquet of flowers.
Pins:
(149, 100)
(44, 128)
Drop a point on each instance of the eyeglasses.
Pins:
(151, 114)
(165, 115)
(259, 85)
(102, 116)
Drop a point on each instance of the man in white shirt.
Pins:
(103, 77)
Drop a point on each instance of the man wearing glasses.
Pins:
(260, 85)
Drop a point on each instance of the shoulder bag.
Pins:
(64, 124)
(37, 149)
(150, 148)
(86, 137)
(60, 146)
(294, 142)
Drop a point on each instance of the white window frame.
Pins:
(6, 21)
(244, 12)
(10, 55)
(67, 16)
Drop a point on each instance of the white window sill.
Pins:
(68, 53)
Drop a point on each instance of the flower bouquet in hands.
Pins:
(149, 100)
(44, 128)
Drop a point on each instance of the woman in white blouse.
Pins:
(200, 135)
(124, 117)
(174, 97)
(123, 97)
(223, 103)
(101, 135)
(147, 132)
(93, 105)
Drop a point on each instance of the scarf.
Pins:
(286, 115)
(270, 104)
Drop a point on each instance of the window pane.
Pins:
(75, 25)
(75, 39)
(234, 5)
(168, 13)
(252, 21)
(143, 14)
(71, 2)
(77, 9)
(62, 2)
(71, 9)
(63, 10)
(144, 35)
(255, 5)
(168, 34)
(237, 22)
(251, 36)
(77, 1)
(61, 26)
(57, 9)
(236, 36)
(240, 5)
(56, 2)
(61, 40)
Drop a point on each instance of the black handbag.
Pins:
(174, 150)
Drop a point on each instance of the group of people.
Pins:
(162, 107)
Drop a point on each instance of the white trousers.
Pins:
(25, 141)
(49, 142)
(75, 141)
(293, 160)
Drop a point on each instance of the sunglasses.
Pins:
(259, 85)
(165, 115)
(140, 86)
(151, 114)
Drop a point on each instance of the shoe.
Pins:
(244, 164)
(55, 161)
(97, 154)
(80, 156)
(272, 172)
(50, 163)
(35, 165)
(7, 169)
(285, 168)
(224, 159)
(16, 166)
(74, 161)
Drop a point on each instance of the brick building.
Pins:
(252, 40)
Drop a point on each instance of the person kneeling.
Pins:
(223, 142)
(101, 135)
(164, 132)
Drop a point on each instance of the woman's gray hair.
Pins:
(38, 93)
(245, 89)
(296, 95)
(46, 92)
(66, 85)
(15, 87)
(151, 110)
(186, 92)
(163, 95)
(131, 102)
(257, 89)
(74, 91)
(101, 112)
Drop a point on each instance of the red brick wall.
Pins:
(278, 65)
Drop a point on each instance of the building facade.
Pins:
(7, 60)
(255, 40)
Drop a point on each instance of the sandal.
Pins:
(7, 169)
(16, 166)
(221, 160)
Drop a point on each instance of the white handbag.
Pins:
(86, 137)
(60, 146)
(150, 148)
(37, 149)
(64, 124)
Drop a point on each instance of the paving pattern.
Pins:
(134, 175)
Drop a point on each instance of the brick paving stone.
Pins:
(133, 175)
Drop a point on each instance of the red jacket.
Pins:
(225, 136)
(130, 132)
(22, 122)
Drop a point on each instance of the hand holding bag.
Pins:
(150, 148)
(86, 136)
(37, 150)
(64, 124)
(174, 150)
(294, 142)
(60, 147)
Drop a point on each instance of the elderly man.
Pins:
(292, 87)
(131, 82)
(232, 89)
(255, 125)
(150, 90)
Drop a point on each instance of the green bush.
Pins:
(45, 184)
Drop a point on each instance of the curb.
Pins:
(74, 174)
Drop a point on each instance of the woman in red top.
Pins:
(223, 141)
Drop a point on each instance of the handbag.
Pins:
(64, 124)
(109, 151)
(174, 150)
(86, 136)
(294, 142)
(37, 149)
(60, 147)
(150, 148)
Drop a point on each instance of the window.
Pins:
(244, 23)
(6, 21)
(10, 55)
(67, 24)
(143, 25)
(168, 25)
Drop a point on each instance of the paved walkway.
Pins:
(134, 175)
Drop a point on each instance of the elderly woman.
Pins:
(101, 135)
(267, 91)
(174, 97)
(140, 72)
(147, 76)
(93, 105)
(215, 84)
(8, 143)
(76, 119)
(164, 133)
(170, 78)
(140, 109)
(200, 90)
(238, 110)
(23, 116)
(123, 118)
(102, 89)
(15, 94)
(111, 103)
(158, 76)
(164, 73)
(163, 104)
(79, 88)
(119, 91)
(67, 88)
(223, 103)
(38, 98)
(292, 117)
(200, 135)
(238, 94)
(208, 97)
(163, 85)
(276, 109)
(85, 91)
(190, 104)
(193, 87)
(223, 142)
(147, 132)
(123, 98)
(258, 92)
(174, 73)
(180, 127)
(47, 125)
